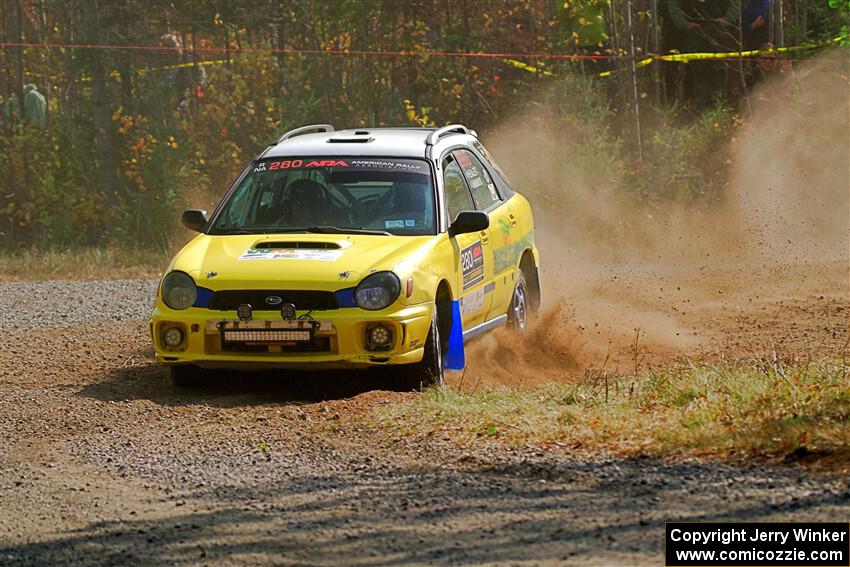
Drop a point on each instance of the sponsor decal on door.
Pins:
(472, 264)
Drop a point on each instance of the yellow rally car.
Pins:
(347, 249)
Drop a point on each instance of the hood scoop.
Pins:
(294, 245)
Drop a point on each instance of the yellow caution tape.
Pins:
(687, 57)
(529, 68)
(638, 65)
(184, 66)
(145, 71)
(539, 70)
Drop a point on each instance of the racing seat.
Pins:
(409, 201)
(305, 203)
(269, 209)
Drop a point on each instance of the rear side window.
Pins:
(480, 147)
(457, 195)
(480, 183)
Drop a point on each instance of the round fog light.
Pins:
(380, 337)
(172, 337)
(244, 311)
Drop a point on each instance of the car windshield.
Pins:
(344, 194)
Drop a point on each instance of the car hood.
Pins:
(296, 261)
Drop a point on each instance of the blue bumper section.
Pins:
(345, 297)
(455, 359)
(204, 296)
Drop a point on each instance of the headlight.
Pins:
(377, 291)
(179, 290)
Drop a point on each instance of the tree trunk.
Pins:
(282, 66)
(125, 68)
(633, 73)
(44, 34)
(4, 88)
(19, 29)
(660, 92)
(101, 112)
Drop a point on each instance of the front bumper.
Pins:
(342, 338)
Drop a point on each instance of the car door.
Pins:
(473, 251)
(503, 227)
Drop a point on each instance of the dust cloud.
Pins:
(791, 174)
(624, 283)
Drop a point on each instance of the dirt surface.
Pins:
(627, 317)
(760, 267)
(103, 462)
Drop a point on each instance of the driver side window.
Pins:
(458, 197)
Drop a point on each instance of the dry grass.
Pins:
(85, 263)
(757, 410)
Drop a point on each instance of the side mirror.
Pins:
(469, 221)
(194, 219)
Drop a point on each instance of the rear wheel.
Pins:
(430, 371)
(518, 311)
(187, 376)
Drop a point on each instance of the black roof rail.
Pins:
(435, 136)
(304, 130)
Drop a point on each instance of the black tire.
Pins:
(430, 371)
(519, 309)
(187, 376)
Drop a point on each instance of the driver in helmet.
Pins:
(305, 204)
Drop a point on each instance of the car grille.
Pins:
(303, 300)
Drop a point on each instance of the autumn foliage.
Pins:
(192, 91)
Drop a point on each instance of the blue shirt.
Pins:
(752, 11)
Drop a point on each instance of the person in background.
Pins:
(705, 26)
(182, 81)
(708, 24)
(35, 107)
(11, 111)
(756, 35)
(754, 28)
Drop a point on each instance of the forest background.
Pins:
(133, 110)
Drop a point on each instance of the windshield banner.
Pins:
(277, 164)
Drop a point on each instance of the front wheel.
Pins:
(518, 311)
(430, 371)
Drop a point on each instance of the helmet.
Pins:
(305, 202)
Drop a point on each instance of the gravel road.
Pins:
(103, 462)
(54, 304)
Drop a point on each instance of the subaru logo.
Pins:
(274, 300)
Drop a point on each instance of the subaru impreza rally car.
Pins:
(350, 249)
